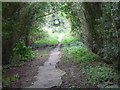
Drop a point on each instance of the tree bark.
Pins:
(92, 12)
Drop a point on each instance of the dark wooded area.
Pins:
(95, 24)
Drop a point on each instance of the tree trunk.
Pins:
(93, 11)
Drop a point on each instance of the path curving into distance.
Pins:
(48, 75)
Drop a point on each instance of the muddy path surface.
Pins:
(28, 70)
(48, 75)
(40, 72)
(74, 77)
(48, 70)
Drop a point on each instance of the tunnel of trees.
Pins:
(95, 24)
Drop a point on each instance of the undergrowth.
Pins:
(7, 80)
(44, 43)
(100, 74)
(21, 54)
(97, 73)
(79, 53)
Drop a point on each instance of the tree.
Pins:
(92, 13)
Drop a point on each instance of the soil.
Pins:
(64, 75)
(48, 75)
(28, 70)
(74, 78)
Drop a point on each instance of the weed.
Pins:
(8, 80)
(99, 74)
(23, 52)
(79, 54)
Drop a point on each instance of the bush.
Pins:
(8, 80)
(100, 74)
(23, 52)
(97, 73)
(79, 54)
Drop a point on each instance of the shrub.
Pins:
(8, 80)
(79, 54)
(23, 52)
(100, 74)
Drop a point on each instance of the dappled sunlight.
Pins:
(60, 37)
(58, 26)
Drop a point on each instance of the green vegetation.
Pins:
(97, 72)
(35, 25)
(100, 74)
(23, 52)
(51, 41)
(79, 53)
(68, 39)
(97, 28)
(7, 80)
(89, 34)
(44, 43)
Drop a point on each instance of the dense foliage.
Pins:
(79, 52)
(91, 32)
(97, 27)
(19, 21)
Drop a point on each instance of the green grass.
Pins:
(52, 40)
(79, 54)
(48, 41)
(68, 40)
(44, 42)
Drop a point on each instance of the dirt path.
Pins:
(28, 70)
(48, 75)
(74, 77)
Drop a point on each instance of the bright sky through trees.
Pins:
(58, 26)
